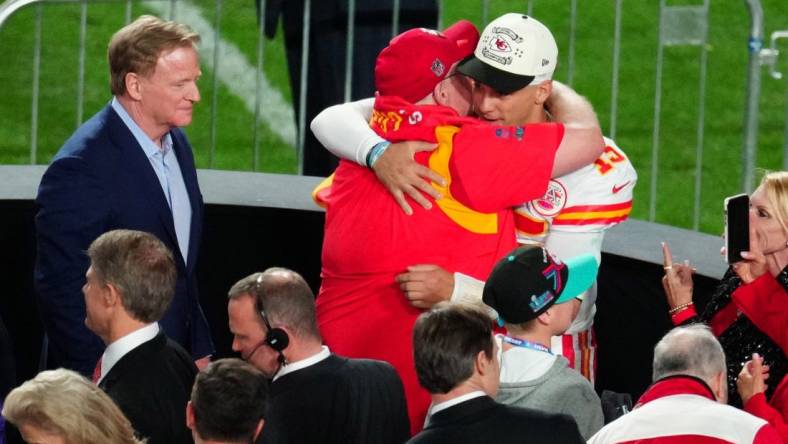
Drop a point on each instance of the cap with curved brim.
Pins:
(582, 271)
(501, 81)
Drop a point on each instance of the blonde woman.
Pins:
(62, 407)
(744, 311)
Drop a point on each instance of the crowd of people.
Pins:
(483, 189)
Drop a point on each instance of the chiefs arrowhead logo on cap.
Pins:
(500, 44)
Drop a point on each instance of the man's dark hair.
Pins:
(446, 342)
(286, 298)
(228, 400)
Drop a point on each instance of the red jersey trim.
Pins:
(529, 225)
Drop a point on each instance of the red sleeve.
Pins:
(757, 406)
(495, 167)
(684, 315)
(765, 302)
(767, 435)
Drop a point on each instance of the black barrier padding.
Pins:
(238, 241)
(632, 316)
(17, 304)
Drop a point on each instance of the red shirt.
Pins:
(369, 239)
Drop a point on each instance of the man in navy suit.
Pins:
(457, 361)
(129, 166)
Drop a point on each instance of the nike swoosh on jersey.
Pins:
(617, 188)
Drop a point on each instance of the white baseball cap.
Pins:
(513, 52)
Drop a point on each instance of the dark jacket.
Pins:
(101, 180)
(482, 420)
(338, 400)
(152, 384)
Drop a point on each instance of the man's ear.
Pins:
(111, 295)
(190, 416)
(546, 317)
(720, 387)
(543, 91)
(133, 85)
(258, 429)
(483, 363)
(438, 93)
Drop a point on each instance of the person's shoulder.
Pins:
(539, 422)
(88, 145)
(572, 380)
(177, 354)
(370, 367)
(163, 357)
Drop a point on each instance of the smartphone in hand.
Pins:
(737, 227)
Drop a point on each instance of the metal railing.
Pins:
(686, 26)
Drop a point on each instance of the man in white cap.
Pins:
(513, 66)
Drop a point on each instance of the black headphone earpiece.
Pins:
(276, 338)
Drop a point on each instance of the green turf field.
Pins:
(725, 90)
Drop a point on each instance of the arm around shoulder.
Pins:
(583, 141)
(344, 130)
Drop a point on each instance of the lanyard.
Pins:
(526, 344)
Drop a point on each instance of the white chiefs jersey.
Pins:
(576, 210)
(593, 198)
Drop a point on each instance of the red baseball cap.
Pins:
(418, 59)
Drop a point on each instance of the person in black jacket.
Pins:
(130, 283)
(315, 396)
(457, 362)
(227, 403)
(327, 49)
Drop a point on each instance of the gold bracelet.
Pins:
(679, 308)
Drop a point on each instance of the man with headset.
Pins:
(315, 396)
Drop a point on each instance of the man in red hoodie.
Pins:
(687, 401)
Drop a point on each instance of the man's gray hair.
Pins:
(140, 267)
(691, 350)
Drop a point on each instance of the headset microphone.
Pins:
(276, 338)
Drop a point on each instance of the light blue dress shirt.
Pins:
(167, 169)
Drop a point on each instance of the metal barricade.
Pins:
(679, 26)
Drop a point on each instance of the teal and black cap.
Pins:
(529, 280)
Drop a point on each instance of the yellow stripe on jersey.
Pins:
(471, 220)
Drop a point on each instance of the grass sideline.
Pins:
(725, 91)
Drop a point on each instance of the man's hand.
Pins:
(402, 175)
(752, 378)
(202, 363)
(425, 285)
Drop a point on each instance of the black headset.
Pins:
(276, 338)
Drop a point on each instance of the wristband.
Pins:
(680, 308)
(377, 151)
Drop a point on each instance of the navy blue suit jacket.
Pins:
(101, 180)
